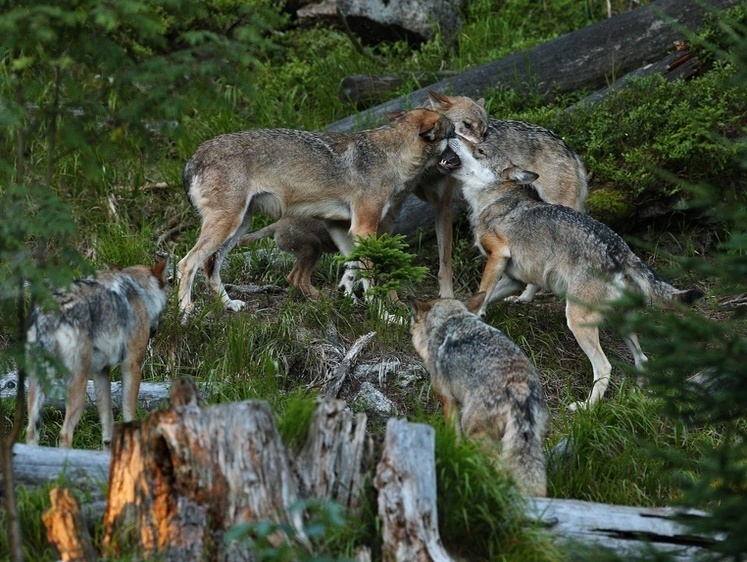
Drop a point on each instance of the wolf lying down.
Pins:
(552, 246)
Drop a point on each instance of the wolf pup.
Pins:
(354, 177)
(101, 321)
(306, 238)
(562, 175)
(487, 385)
(552, 246)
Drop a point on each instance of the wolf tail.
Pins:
(253, 237)
(521, 447)
(655, 288)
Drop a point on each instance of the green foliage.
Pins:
(475, 500)
(321, 518)
(384, 259)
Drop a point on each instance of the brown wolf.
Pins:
(101, 321)
(354, 177)
(562, 175)
(487, 385)
(552, 246)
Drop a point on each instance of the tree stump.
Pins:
(332, 462)
(406, 481)
(180, 479)
(66, 529)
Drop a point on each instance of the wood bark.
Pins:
(583, 59)
(406, 482)
(66, 529)
(332, 463)
(181, 478)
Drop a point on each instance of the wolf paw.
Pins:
(576, 406)
(234, 305)
(518, 298)
(347, 283)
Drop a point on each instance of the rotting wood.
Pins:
(625, 529)
(181, 478)
(342, 370)
(406, 481)
(66, 529)
(583, 59)
(332, 462)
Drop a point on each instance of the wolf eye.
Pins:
(480, 152)
(467, 125)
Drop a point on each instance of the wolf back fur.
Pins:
(101, 321)
(355, 177)
(486, 384)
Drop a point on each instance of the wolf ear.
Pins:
(113, 266)
(419, 308)
(429, 129)
(394, 115)
(159, 270)
(523, 177)
(474, 303)
(481, 102)
(438, 101)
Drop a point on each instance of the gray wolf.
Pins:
(304, 237)
(562, 176)
(101, 321)
(552, 246)
(358, 177)
(487, 385)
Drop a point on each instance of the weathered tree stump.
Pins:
(66, 529)
(406, 481)
(180, 479)
(332, 462)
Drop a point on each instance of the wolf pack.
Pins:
(524, 189)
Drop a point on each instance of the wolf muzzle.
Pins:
(448, 161)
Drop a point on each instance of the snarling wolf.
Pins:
(562, 175)
(101, 321)
(551, 246)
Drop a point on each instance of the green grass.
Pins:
(272, 350)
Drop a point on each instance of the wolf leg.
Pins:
(103, 387)
(215, 232)
(527, 296)
(584, 325)
(35, 402)
(639, 358)
(444, 237)
(74, 404)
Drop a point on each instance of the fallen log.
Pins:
(362, 88)
(181, 477)
(627, 530)
(152, 395)
(583, 59)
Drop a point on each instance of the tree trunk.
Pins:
(406, 481)
(361, 88)
(583, 59)
(181, 478)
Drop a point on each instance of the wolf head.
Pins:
(479, 165)
(469, 117)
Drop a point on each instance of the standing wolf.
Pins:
(552, 246)
(562, 175)
(476, 371)
(338, 177)
(101, 321)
